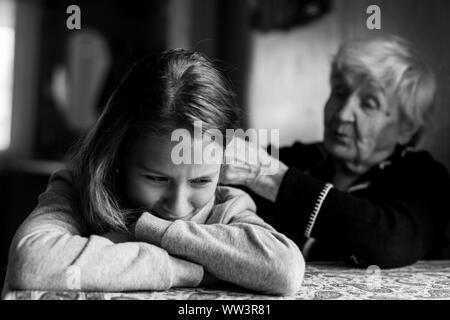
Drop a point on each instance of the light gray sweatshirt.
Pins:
(228, 240)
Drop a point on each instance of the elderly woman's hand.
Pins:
(249, 165)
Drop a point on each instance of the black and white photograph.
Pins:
(244, 151)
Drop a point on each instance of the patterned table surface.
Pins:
(324, 280)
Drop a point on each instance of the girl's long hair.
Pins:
(159, 94)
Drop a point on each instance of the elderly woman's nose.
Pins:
(346, 112)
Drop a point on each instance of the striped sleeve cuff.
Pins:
(312, 218)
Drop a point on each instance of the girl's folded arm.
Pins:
(48, 253)
(243, 250)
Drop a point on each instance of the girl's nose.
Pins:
(177, 203)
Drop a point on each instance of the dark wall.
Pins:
(233, 45)
(132, 29)
(19, 192)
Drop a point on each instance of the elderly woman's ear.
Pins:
(407, 132)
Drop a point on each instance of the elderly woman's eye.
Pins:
(370, 104)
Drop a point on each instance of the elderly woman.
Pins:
(363, 195)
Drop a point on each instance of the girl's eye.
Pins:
(200, 182)
(156, 179)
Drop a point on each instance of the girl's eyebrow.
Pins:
(207, 175)
(143, 167)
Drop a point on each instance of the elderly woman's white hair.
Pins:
(392, 63)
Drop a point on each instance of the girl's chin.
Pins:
(174, 218)
(198, 215)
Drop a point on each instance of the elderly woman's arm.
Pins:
(249, 165)
(391, 223)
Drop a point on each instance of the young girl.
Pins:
(124, 216)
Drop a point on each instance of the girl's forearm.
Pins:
(246, 255)
(57, 261)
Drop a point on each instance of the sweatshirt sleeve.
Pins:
(235, 246)
(48, 252)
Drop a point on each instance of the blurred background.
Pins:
(55, 81)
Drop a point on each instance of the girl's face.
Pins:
(171, 191)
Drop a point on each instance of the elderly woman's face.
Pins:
(361, 127)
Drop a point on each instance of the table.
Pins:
(323, 280)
